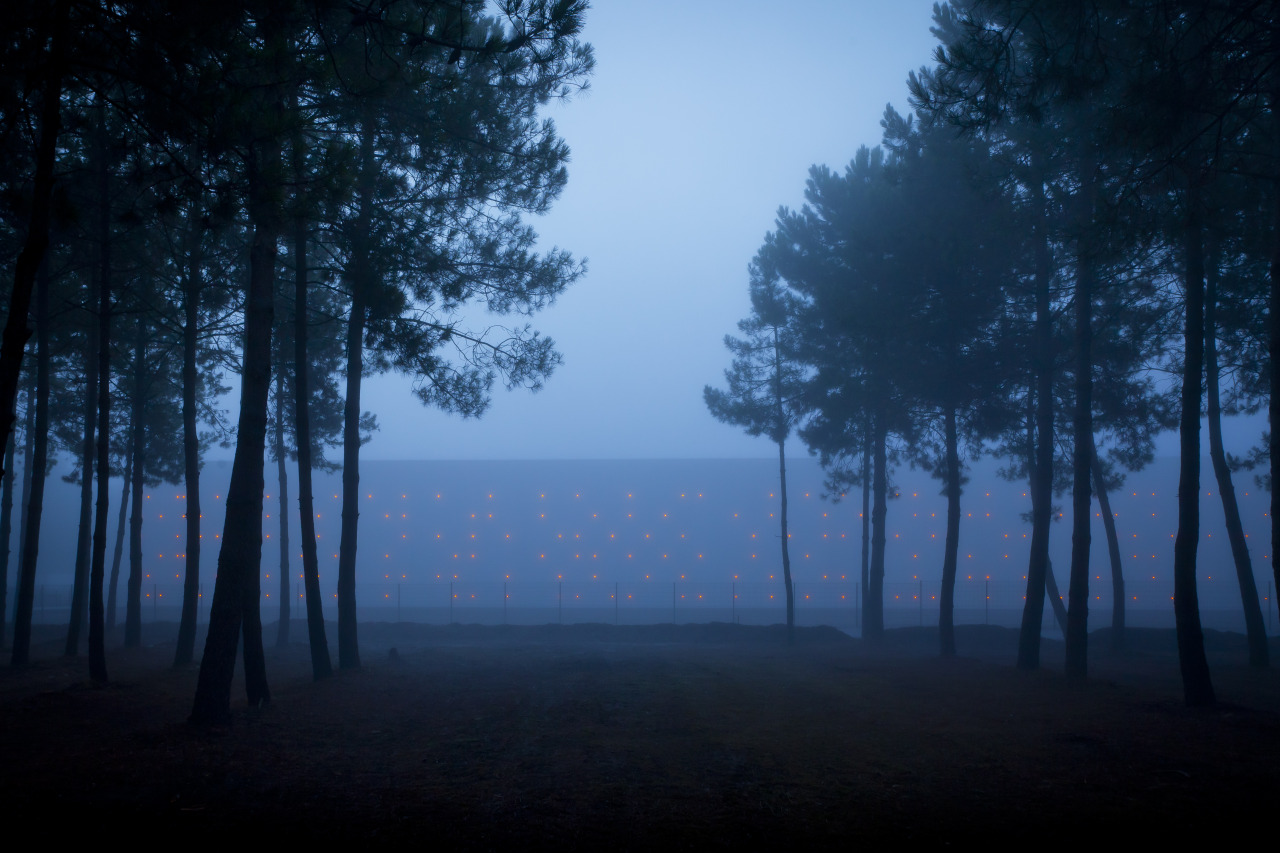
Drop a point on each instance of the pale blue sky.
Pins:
(702, 118)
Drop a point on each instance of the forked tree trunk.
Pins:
(237, 588)
(1113, 552)
(27, 574)
(1197, 687)
(321, 665)
(117, 555)
(1259, 654)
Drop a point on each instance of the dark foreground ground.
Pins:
(685, 737)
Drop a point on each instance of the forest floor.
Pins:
(688, 736)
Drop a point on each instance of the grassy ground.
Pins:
(689, 736)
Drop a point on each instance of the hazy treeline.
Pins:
(1071, 244)
(299, 193)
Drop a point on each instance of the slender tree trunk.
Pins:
(97, 618)
(31, 258)
(1196, 685)
(133, 591)
(1042, 463)
(117, 555)
(348, 647)
(1259, 654)
(6, 534)
(28, 461)
(27, 573)
(1077, 664)
(786, 545)
(237, 587)
(946, 608)
(866, 521)
(321, 665)
(185, 651)
(84, 539)
(1113, 552)
(1273, 351)
(282, 474)
(873, 627)
(1055, 598)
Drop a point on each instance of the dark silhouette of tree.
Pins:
(765, 387)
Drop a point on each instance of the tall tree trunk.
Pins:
(27, 572)
(786, 545)
(1042, 462)
(237, 588)
(185, 651)
(873, 627)
(1054, 595)
(34, 248)
(1197, 688)
(117, 555)
(321, 665)
(97, 617)
(1077, 643)
(951, 552)
(1113, 552)
(133, 591)
(84, 538)
(1259, 654)
(348, 647)
(6, 533)
(866, 520)
(28, 461)
(282, 474)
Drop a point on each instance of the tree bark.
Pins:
(97, 617)
(786, 549)
(27, 572)
(1113, 551)
(133, 591)
(6, 534)
(321, 665)
(1077, 643)
(238, 583)
(1197, 687)
(282, 475)
(1042, 462)
(84, 537)
(185, 651)
(873, 626)
(951, 553)
(866, 520)
(348, 646)
(117, 555)
(31, 258)
(1259, 654)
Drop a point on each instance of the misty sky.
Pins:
(702, 118)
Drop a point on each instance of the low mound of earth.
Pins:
(712, 735)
